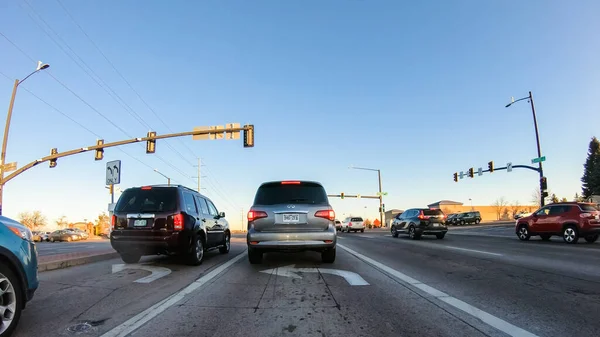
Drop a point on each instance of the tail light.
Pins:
(253, 215)
(146, 187)
(290, 183)
(113, 222)
(327, 214)
(422, 216)
(178, 222)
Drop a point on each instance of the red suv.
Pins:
(571, 220)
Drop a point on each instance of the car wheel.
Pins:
(11, 301)
(462, 222)
(328, 256)
(570, 234)
(412, 233)
(224, 249)
(131, 257)
(545, 237)
(440, 235)
(255, 256)
(69, 239)
(394, 232)
(362, 230)
(591, 238)
(196, 254)
(523, 233)
(477, 221)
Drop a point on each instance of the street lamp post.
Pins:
(537, 139)
(168, 179)
(40, 66)
(380, 190)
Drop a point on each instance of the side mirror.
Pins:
(221, 214)
(535, 215)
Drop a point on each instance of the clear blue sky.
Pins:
(417, 90)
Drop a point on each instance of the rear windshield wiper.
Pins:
(301, 200)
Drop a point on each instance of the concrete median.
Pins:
(59, 261)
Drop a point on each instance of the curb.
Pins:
(70, 262)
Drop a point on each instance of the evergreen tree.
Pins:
(591, 170)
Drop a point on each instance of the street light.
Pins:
(380, 192)
(168, 179)
(537, 138)
(40, 66)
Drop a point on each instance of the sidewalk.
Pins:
(59, 261)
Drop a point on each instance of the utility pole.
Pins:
(199, 176)
(381, 213)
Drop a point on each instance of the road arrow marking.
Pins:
(156, 272)
(291, 271)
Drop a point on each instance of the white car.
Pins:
(353, 224)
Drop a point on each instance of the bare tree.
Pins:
(500, 206)
(32, 220)
(62, 222)
(515, 208)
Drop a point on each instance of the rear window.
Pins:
(356, 219)
(337, 222)
(432, 212)
(157, 199)
(588, 208)
(278, 193)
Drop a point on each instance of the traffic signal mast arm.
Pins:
(353, 196)
(119, 143)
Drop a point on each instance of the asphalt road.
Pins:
(463, 285)
(52, 248)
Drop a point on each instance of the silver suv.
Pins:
(291, 216)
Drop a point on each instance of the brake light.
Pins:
(253, 215)
(290, 183)
(422, 216)
(113, 222)
(178, 222)
(327, 214)
(146, 187)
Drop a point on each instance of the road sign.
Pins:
(382, 193)
(156, 272)
(113, 172)
(480, 171)
(9, 167)
(352, 278)
(462, 174)
(538, 160)
(509, 167)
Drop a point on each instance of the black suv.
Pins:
(162, 219)
(420, 221)
(467, 218)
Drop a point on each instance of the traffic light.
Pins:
(53, 161)
(543, 184)
(491, 166)
(545, 194)
(342, 195)
(151, 143)
(383, 208)
(99, 152)
(249, 135)
(455, 177)
(471, 172)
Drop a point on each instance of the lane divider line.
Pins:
(472, 250)
(483, 316)
(143, 317)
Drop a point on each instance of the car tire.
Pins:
(523, 233)
(255, 256)
(130, 257)
(570, 234)
(545, 237)
(440, 235)
(328, 256)
(362, 230)
(412, 233)
(462, 222)
(477, 221)
(224, 249)
(394, 232)
(13, 303)
(591, 238)
(69, 239)
(196, 253)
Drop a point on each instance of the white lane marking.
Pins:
(472, 250)
(352, 278)
(143, 317)
(483, 316)
(156, 272)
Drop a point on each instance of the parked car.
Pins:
(18, 272)
(467, 218)
(353, 224)
(570, 220)
(420, 221)
(63, 235)
(36, 236)
(338, 225)
(291, 216)
(450, 220)
(173, 220)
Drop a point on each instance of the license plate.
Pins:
(139, 223)
(291, 218)
(436, 224)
